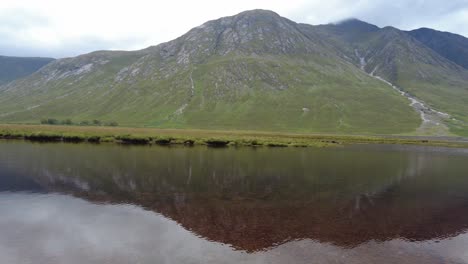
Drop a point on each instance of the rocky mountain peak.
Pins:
(259, 13)
(357, 25)
(351, 30)
(248, 33)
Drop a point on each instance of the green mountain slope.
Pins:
(12, 68)
(416, 69)
(255, 70)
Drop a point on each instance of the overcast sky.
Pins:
(60, 28)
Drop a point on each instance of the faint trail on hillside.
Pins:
(32, 107)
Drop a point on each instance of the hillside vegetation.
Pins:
(253, 71)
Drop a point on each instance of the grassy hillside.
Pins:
(278, 93)
(427, 75)
(406, 62)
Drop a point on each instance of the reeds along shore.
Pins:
(190, 137)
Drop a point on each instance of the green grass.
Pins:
(150, 136)
(231, 92)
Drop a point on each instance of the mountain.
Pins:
(257, 71)
(12, 68)
(439, 86)
(451, 46)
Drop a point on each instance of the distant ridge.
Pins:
(452, 46)
(12, 68)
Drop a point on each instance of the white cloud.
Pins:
(64, 28)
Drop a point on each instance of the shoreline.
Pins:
(213, 138)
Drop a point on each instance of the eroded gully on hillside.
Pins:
(432, 120)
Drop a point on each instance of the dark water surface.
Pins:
(65, 203)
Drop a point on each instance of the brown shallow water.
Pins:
(65, 203)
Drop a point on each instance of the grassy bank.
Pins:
(149, 136)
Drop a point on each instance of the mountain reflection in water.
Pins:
(255, 200)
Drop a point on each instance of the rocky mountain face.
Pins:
(260, 71)
(451, 46)
(12, 68)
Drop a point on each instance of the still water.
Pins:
(65, 203)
